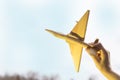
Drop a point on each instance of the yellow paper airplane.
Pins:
(75, 39)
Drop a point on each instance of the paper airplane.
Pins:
(75, 39)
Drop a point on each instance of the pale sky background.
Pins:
(25, 46)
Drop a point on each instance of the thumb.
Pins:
(92, 52)
(96, 41)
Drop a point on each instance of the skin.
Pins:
(100, 57)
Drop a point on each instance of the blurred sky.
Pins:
(25, 46)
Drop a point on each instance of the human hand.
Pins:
(101, 59)
(99, 55)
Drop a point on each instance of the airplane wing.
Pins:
(78, 32)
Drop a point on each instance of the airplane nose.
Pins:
(53, 32)
(50, 31)
(57, 34)
(47, 30)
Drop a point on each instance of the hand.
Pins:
(99, 55)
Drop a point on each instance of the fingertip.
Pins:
(96, 41)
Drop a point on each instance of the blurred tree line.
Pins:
(34, 76)
(28, 76)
